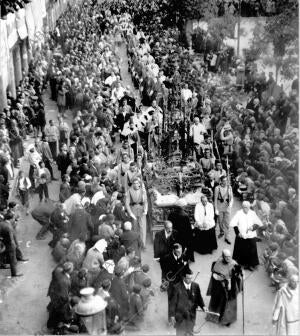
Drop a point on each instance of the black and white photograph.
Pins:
(149, 163)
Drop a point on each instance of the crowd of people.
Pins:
(244, 145)
(23, 117)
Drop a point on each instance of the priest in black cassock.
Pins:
(181, 224)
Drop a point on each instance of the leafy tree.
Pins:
(281, 31)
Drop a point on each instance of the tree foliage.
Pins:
(281, 31)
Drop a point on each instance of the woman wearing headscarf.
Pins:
(94, 258)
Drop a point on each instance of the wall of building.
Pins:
(21, 34)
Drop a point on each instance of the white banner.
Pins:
(21, 23)
(36, 11)
(12, 35)
(43, 8)
(4, 54)
(29, 22)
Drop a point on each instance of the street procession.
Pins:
(149, 157)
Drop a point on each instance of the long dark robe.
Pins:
(16, 145)
(181, 224)
(224, 301)
(245, 252)
(204, 241)
(58, 292)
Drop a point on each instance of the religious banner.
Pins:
(38, 19)
(56, 10)
(29, 22)
(43, 8)
(4, 55)
(21, 23)
(12, 34)
(50, 18)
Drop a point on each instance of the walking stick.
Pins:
(215, 142)
(196, 276)
(228, 171)
(278, 323)
(243, 304)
